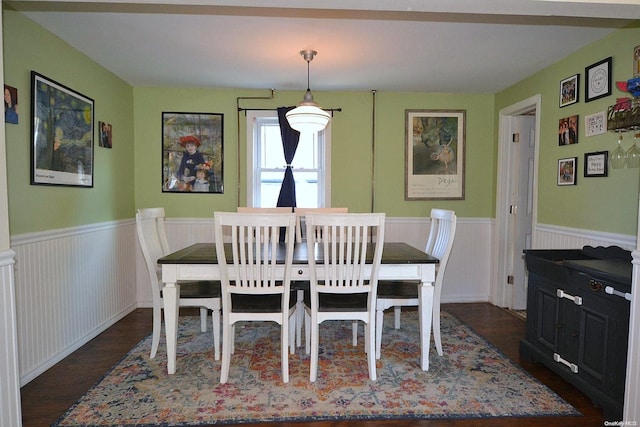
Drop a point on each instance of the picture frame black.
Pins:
(596, 164)
(62, 133)
(597, 80)
(568, 130)
(569, 90)
(434, 154)
(192, 153)
(566, 173)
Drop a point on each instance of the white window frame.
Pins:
(324, 175)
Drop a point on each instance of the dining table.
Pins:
(400, 261)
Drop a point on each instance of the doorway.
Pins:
(516, 200)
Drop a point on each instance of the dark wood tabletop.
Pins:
(392, 253)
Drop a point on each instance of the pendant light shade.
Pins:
(308, 116)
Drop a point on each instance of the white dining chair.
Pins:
(399, 294)
(203, 294)
(255, 287)
(342, 287)
(300, 286)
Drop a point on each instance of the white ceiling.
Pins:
(386, 45)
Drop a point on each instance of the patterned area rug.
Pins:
(472, 380)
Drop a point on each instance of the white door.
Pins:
(521, 209)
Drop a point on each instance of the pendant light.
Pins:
(307, 116)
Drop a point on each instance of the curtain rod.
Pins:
(275, 109)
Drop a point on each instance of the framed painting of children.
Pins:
(192, 147)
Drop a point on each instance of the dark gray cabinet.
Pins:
(578, 319)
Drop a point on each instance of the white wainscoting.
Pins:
(468, 273)
(10, 407)
(71, 284)
(556, 237)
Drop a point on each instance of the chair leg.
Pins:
(379, 324)
(215, 315)
(157, 326)
(203, 319)
(354, 339)
(313, 370)
(284, 349)
(293, 321)
(307, 335)
(436, 321)
(396, 316)
(299, 316)
(226, 349)
(370, 343)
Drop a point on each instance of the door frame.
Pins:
(501, 292)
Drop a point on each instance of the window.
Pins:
(266, 164)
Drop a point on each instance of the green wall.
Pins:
(603, 204)
(27, 46)
(351, 148)
(129, 175)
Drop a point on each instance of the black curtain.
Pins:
(290, 138)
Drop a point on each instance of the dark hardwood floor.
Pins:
(47, 397)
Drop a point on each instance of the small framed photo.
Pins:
(105, 139)
(595, 164)
(597, 80)
(569, 90)
(595, 124)
(567, 171)
(568, 130)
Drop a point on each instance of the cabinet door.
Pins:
(542, 322)
(604, 330)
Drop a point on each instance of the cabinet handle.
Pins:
(572, 366)
(562, 294)
(617, 293)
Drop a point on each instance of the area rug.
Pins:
(472, 380)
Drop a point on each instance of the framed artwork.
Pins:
(61, 134)
(567, 171)
(636, 61)
(568, 130)
(192, 153)
(434, 154)
(569, 90)
(597, 80)
(105, 137)
(595, 124)
(10, 105)
(596, 164)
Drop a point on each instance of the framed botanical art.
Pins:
(61, 134)
(567, 171)
(597, 80)
(569, 90)
(192, 153)
(596, 164)
(434, 154)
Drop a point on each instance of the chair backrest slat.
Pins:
(254, 260)
(345, 251)
(440, 241)
(301, 234)
(153, 242)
